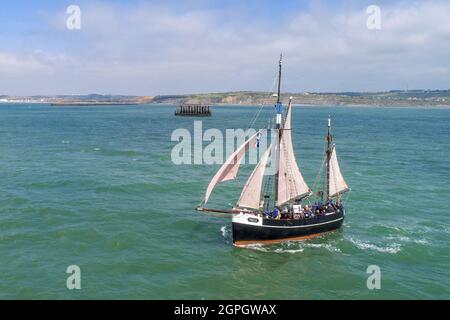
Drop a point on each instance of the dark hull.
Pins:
(272, 231)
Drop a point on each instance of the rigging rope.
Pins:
(252, 122)
(319, 174)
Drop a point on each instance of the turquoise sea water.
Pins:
(96, 187)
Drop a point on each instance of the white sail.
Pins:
(230, 168)
(336, 183)
(251, 194)
(291, 184)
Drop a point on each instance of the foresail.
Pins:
(230, 168)
(337, 184)
(291, 184)
(251, 194)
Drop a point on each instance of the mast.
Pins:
(329, 144)
(279, 85)
(279, 107)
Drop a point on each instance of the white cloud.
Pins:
(154, 49)
(11, 64)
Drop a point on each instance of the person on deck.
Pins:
(339, 205)
(276, 213)
(330, 207)
(266, 212)
(285, 212)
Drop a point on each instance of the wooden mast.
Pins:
(329, 144)
(279, 108)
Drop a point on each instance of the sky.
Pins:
(178, 47)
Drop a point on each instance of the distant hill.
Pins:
(388, 98)
(83, 100)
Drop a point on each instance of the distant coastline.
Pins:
(388, 98)
(88, 103)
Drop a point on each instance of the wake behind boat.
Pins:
(291, 215)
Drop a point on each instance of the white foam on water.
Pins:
(421, 241)
(262, 248)
(280, 250)
(291, 247)
(224, 231)
(96, 149)
(326, 246)
(395, 248)
(255, 246)
(65, 141)
(408, 240)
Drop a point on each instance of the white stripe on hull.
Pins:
(303, 226)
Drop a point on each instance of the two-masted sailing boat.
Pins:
(290, 215)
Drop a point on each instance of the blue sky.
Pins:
(169, 47)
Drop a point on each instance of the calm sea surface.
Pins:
(96, 187)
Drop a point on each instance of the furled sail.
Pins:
(230, 168)
(251, 194)
(291, 184)
(336, 183)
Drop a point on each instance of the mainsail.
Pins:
(251, 194)
(230, 168)
(336, 182)
(291, 184)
